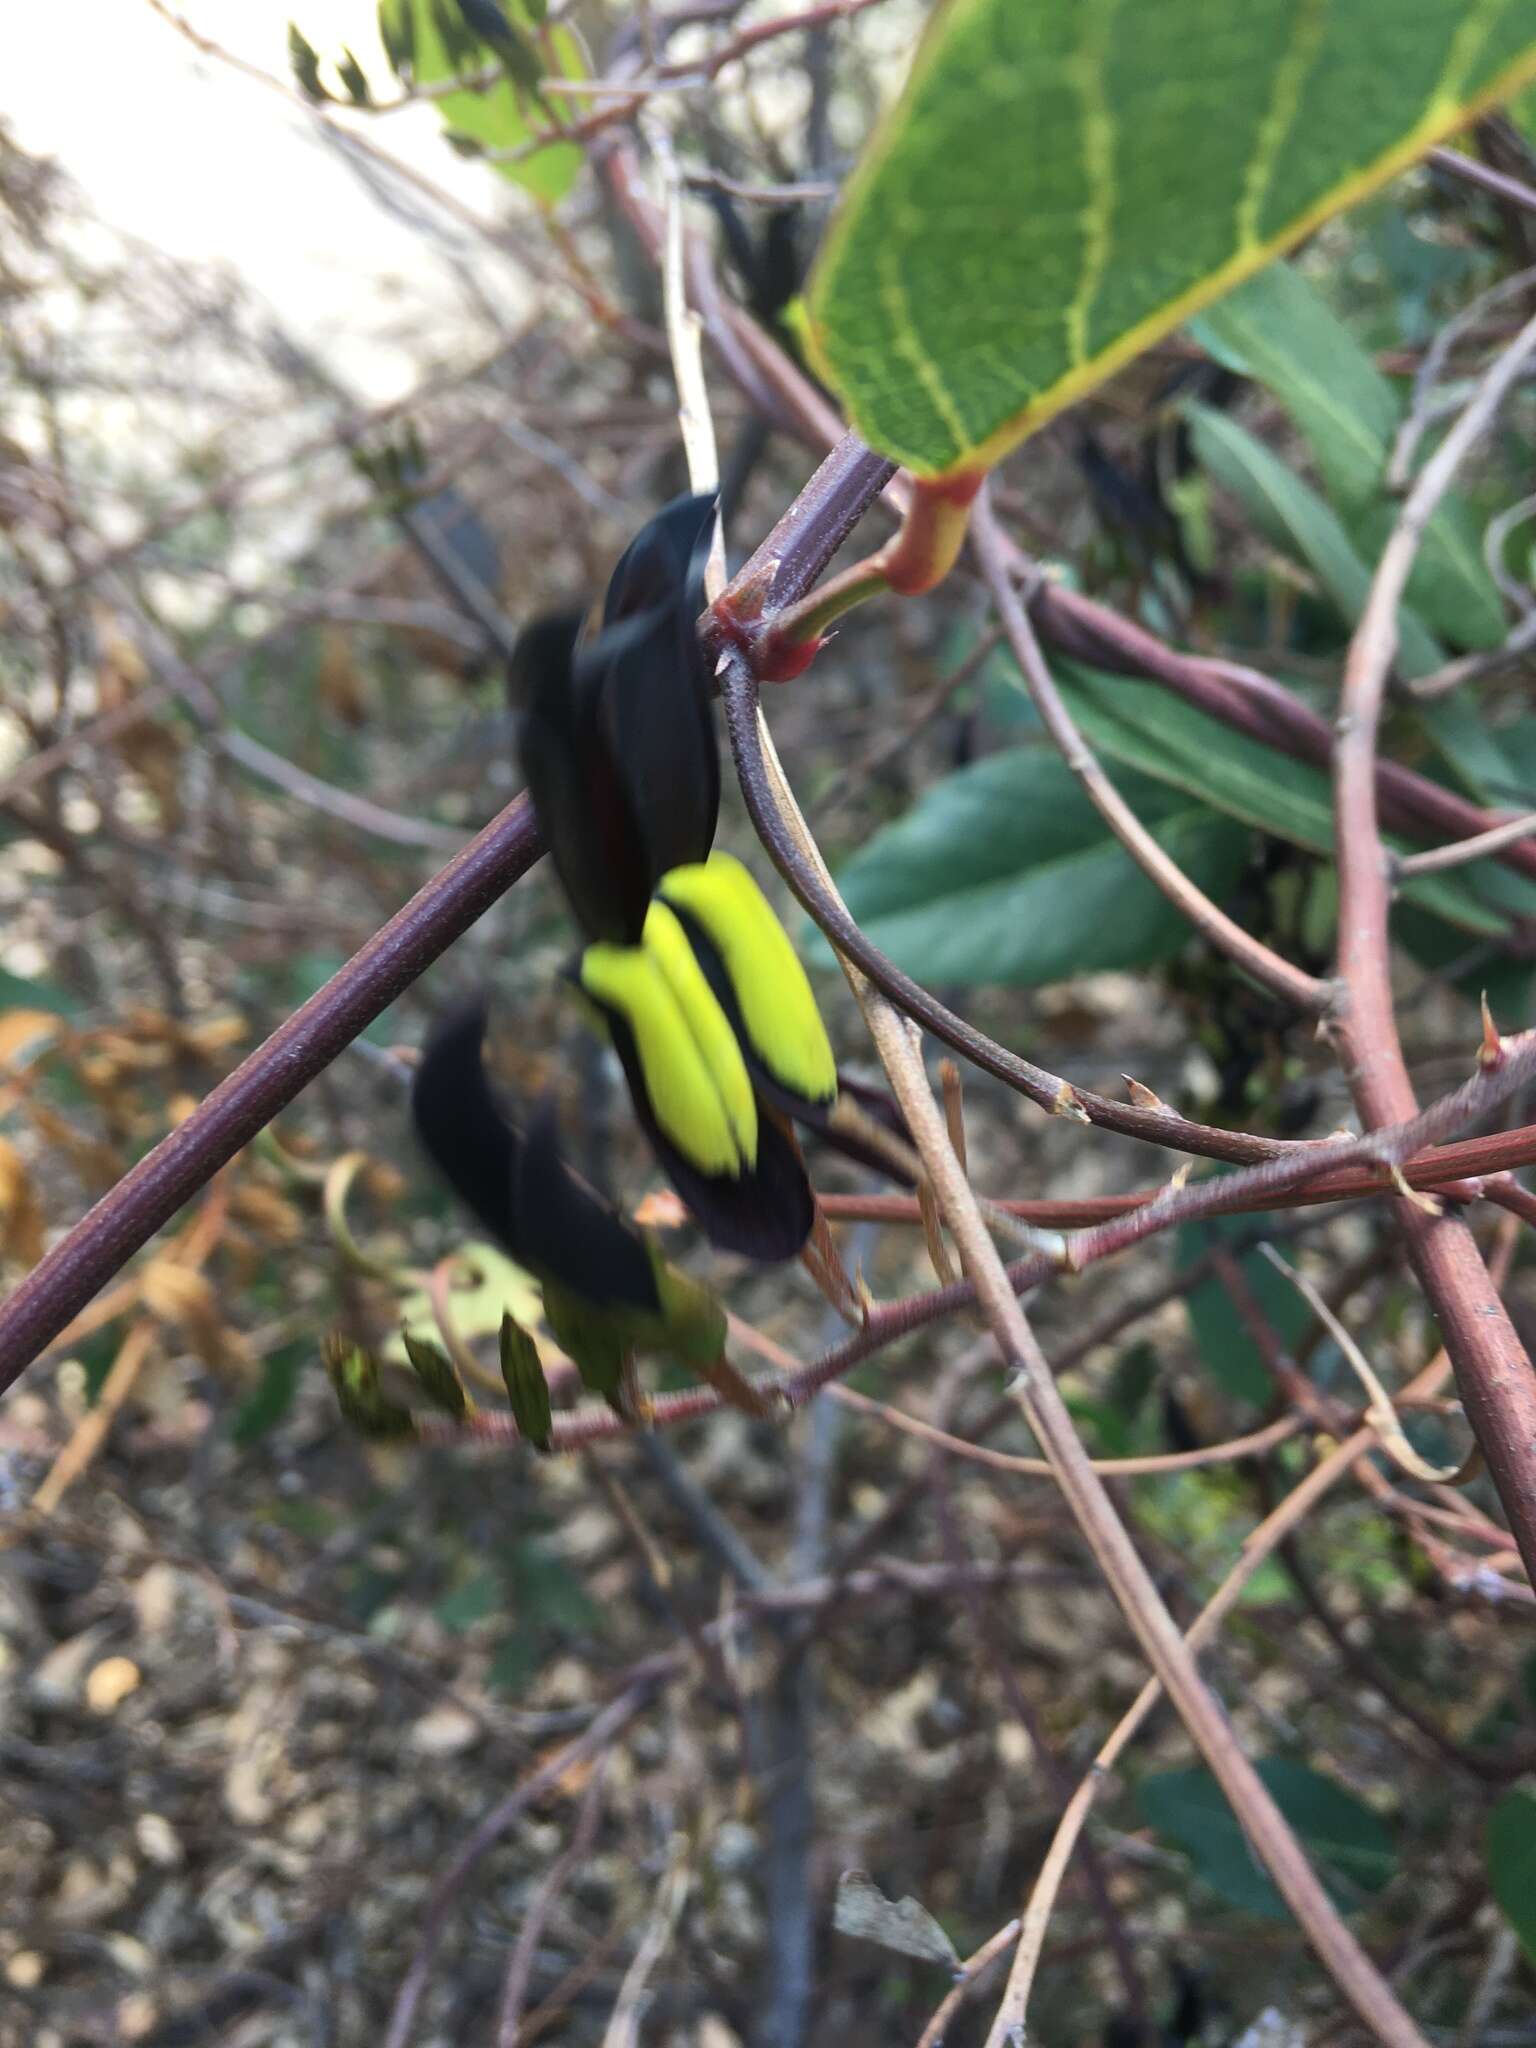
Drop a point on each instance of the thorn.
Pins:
(745, 604)
(1491, 1051)
(1143, 1096)
(1430, 1204)
(1066, 1103)
(1181, 1177)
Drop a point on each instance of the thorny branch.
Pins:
(1492, 1367)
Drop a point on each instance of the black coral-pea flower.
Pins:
(608, 1292)
(710, 1010)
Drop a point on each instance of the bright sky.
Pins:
(181, 151)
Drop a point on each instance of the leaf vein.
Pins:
(1290, 75)
(1087, 75)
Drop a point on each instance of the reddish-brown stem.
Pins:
(1291, 984)
(617, 111)
(1251, 703)
(890, 1321)
(1238, 696)
(1282, 1165)
(1473, 1170)
(1492, 1368)
(918, 556)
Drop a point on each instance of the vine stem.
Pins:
(1127, 1577)
(1493, 1370)
(151, 1192)
(1292, 984)
(1261, 1543)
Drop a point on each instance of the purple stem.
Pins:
(149, 1195)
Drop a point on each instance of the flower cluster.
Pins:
(709, 1010)
(685, 965)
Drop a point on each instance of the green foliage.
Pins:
(1005, 873)
(1228, 1352)
(359, 1390)
(1098, 149)
(1511, 1858)
(1279, 330)
(429, 41)
(527, 1389)
(21, 992)
(1300, 523)
(272, 1396)
(1349, 1844)
(1163, 737)
(304, 62)
(434, 1373)
(486, 1286)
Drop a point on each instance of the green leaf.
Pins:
(1278, 329)
(480, 1595)
(1510, 1850)
(272, 1396)
(527, 1389)
(354, 79)
(486, 1285)
(1291, 515)
(304, 63)
(1165, 738)
(1059, 185)
(1472, 967)
(1228, 1352)
(1282, 333)
(434, 1373)
(428, 41)
(1004, 873)
(1344, 1838)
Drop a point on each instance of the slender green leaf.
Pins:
(1278, 329)
(1350, 1845)
(1511, 1858)
(1289, 513)
(1164, 738)
(1004, 873)
(1281, 332)
(1060, 184)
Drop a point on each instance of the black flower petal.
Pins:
(518, 1187)
(764, 1212)
(583, 802)
(654, 689)
(617, 735)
